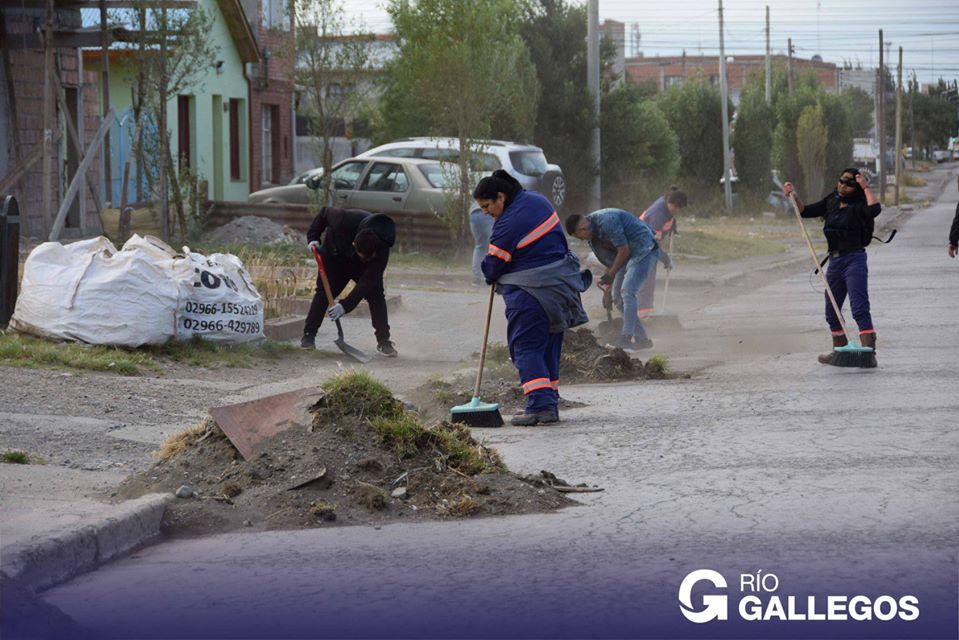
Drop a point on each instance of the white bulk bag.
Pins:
(218, 300)
(90, 292)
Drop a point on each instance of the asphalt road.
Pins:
(840, 482)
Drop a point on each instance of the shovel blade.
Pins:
(352, 352)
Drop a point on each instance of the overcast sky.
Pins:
(928, 30)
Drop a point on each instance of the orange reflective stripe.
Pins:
(867, 331)
(539, 231)
(668, 224)
(554, 384)
(499, 253)
(839, 332)
(538, 383)
(642, 216)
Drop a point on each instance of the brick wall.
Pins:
(28, 78)
(271, 83)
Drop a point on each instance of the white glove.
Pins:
(314, 245)
(336, 312)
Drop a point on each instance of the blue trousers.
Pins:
(481, 225)
(849, 275)
(626, 290)
(535, 351)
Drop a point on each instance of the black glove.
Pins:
(607, 279)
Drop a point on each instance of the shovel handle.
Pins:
(323, 278)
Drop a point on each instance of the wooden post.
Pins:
(898, 126)
(8, 74)
(75, 183)
(74, 139)
(881, 92)
(47, 163)
(105, 107)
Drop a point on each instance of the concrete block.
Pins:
(284, 329)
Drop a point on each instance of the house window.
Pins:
(275, 15)
(235, 165)
(270, 143)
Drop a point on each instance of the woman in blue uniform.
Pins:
(529, 260)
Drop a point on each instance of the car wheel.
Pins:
(554, 187)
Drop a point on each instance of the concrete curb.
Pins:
(47, 561)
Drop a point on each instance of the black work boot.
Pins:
(308, 341)
(529, 419)
(386, 349)
(869, 340)
(837, 341)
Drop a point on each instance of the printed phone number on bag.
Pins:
(229, 308)
(236, 326)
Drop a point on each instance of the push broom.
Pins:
(853, 354)
(476, 413)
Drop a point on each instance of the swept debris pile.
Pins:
(584, 360)
(365, 459)
(254, 230)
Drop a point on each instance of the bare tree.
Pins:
(332, 71)
(174, 53)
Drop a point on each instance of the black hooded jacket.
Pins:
(847, 228)
(341, 227)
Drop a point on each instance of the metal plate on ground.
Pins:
(248, 423)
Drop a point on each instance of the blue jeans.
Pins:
(849, 275)
(636, 272)
(481, 225)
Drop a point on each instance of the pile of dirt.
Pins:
(366, 459)
(584, 360)
(254, 230)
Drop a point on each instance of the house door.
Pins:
(217, 147)
(184, 134)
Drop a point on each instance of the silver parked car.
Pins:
(380, 185)
(525, 162)
(296, 192)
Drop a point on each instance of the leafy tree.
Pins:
(462, 70)
(329, 70)
(861, 106)
(753, 137)
(640, 151)
(811, 140)
(934, 115)
(555, 33)
(694, 112)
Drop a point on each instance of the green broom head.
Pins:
(854, 355)
(476, 413)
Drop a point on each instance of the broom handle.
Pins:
(820, 271)
(489, 315)
(668, 272)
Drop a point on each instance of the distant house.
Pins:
(209, 127)
(271, 93)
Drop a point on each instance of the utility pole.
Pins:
(898, 158)
(912, 123)
(769, 64)
(881, 90)
(592, 81)
(727, 172)
(789, 66)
